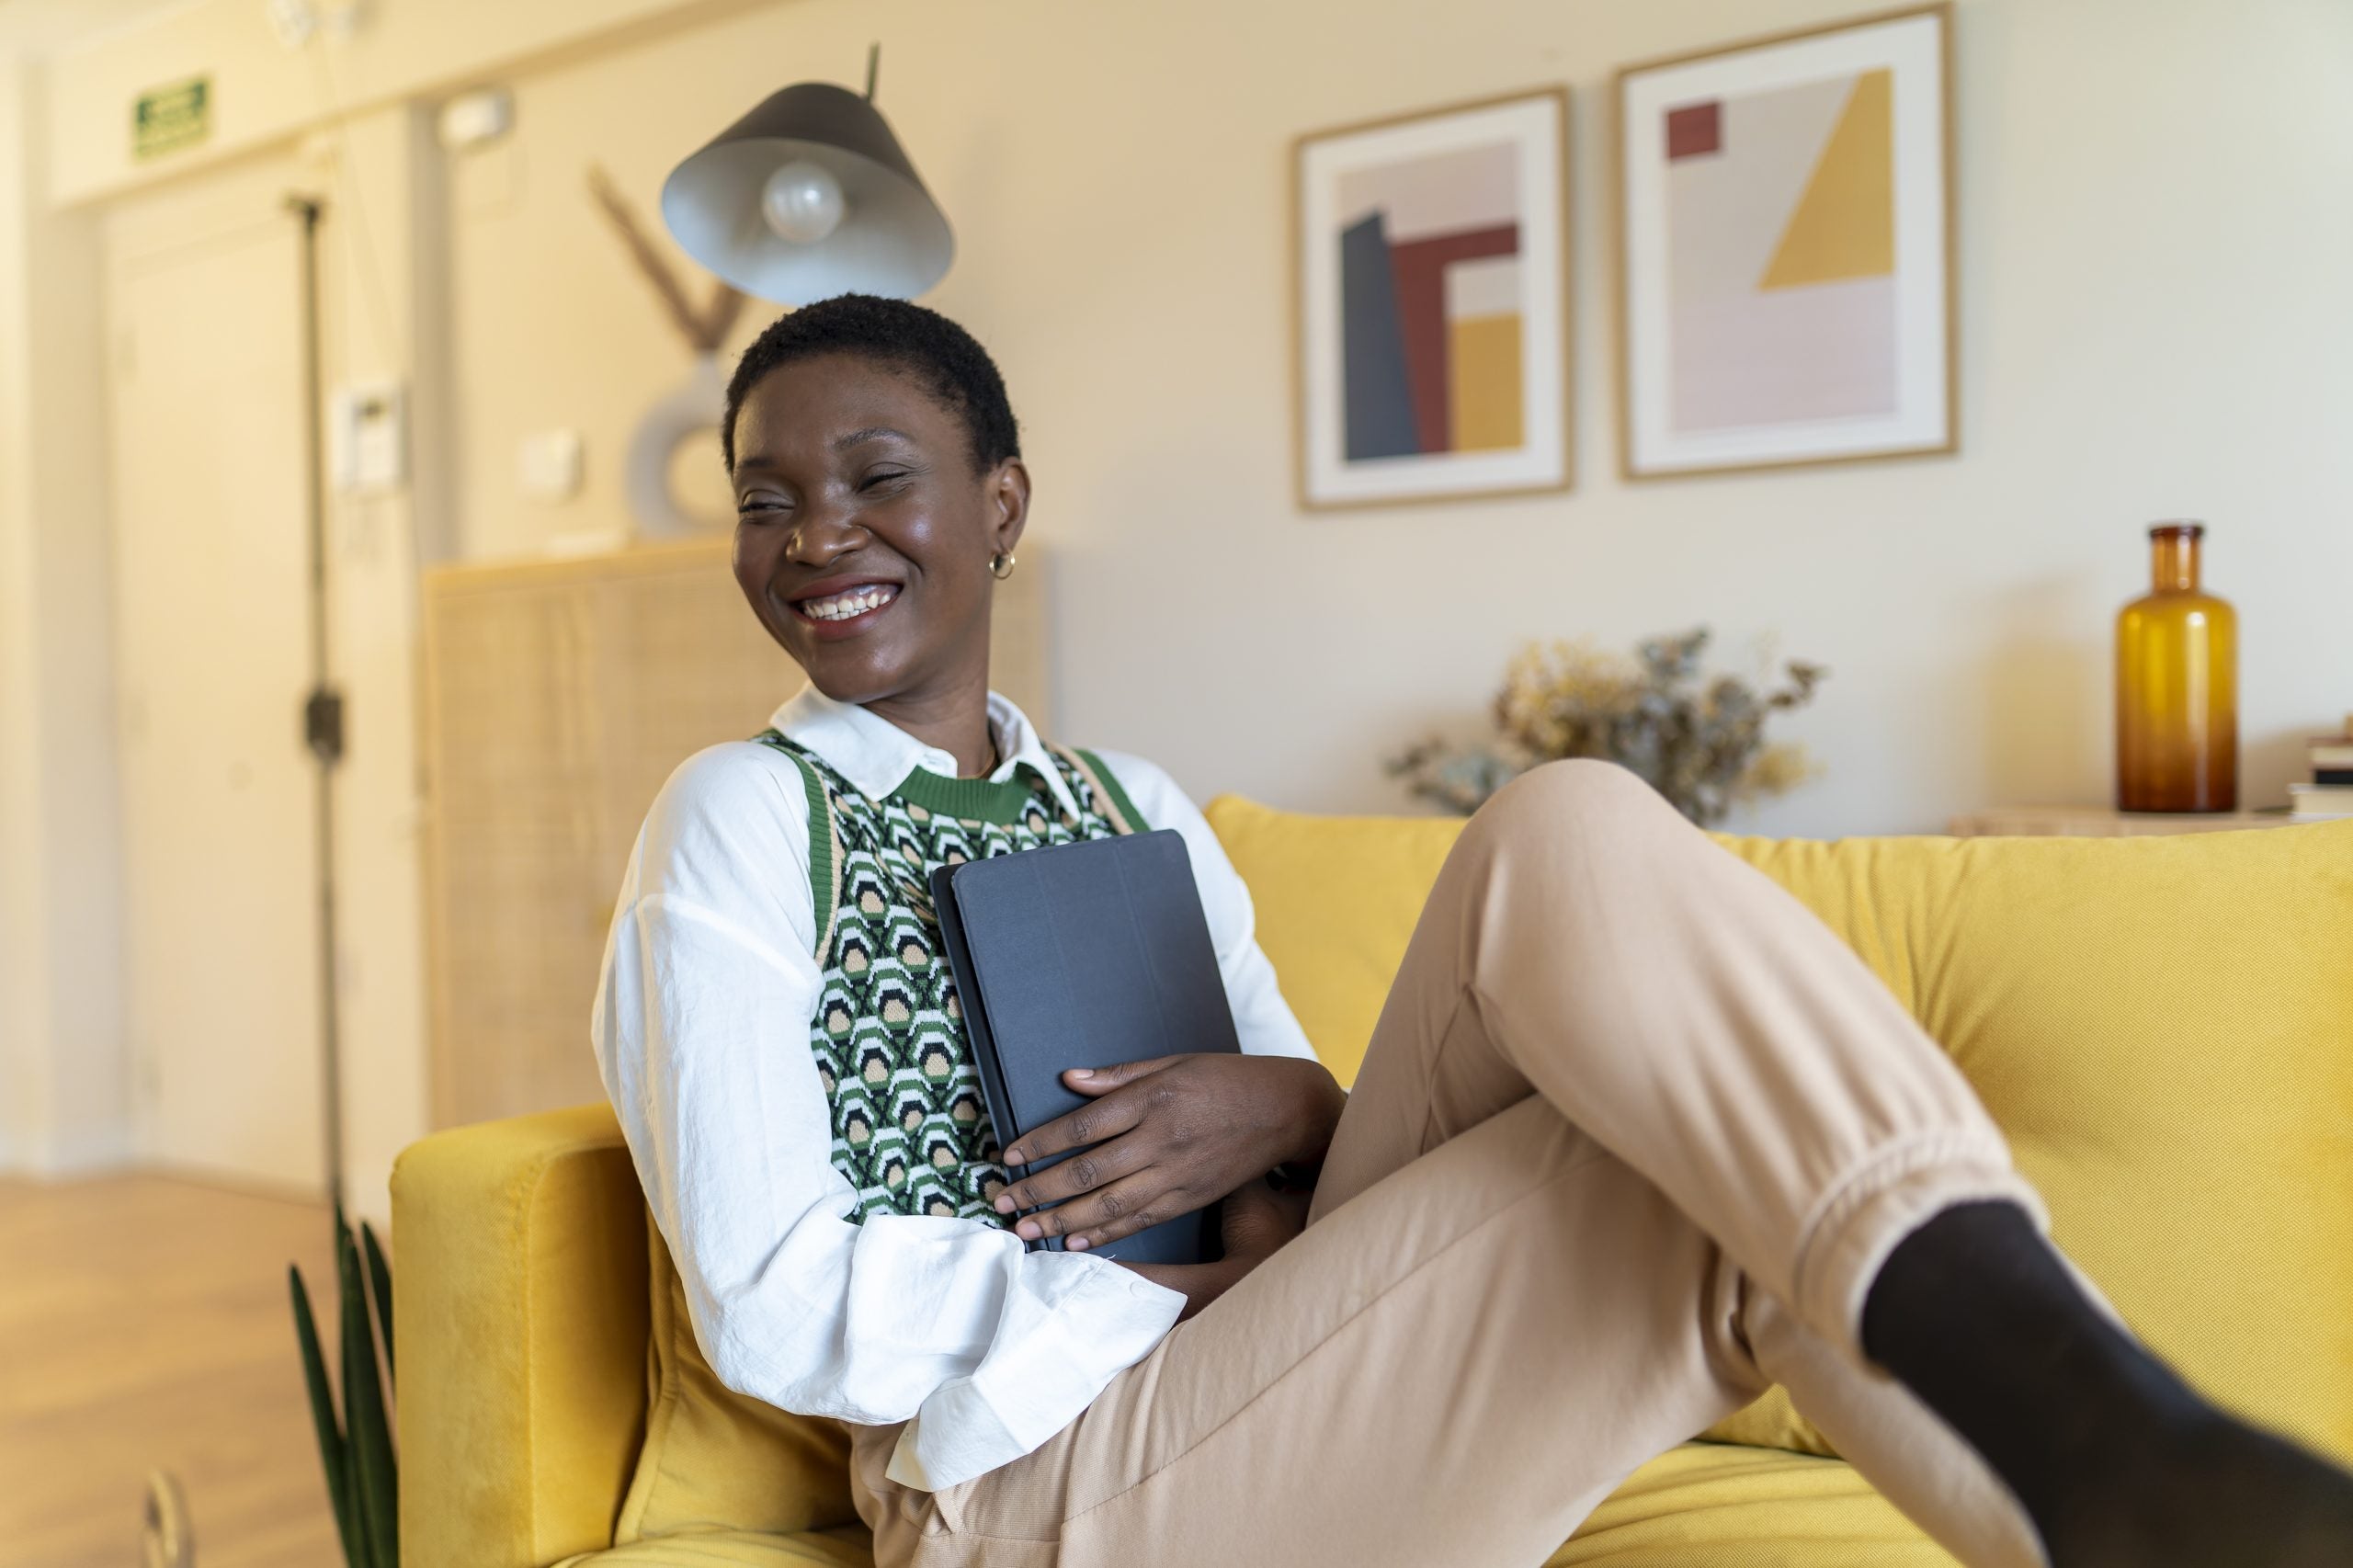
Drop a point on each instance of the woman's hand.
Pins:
(1256, 1221)
(1165, 1137)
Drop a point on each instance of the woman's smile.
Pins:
(843, 606)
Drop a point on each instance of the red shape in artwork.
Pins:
(1418, 268)
(1695, 129)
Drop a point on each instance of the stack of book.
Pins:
(2330, 794)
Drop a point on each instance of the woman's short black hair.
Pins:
(948, 361)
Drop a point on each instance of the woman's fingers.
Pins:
(1103, 1080)
(1157, 1143)
(1090, 1123)
(1099, 1218)
(1083, 1172)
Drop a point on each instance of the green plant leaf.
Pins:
(335, 1454)
(361, 1557)
(379, 1276)
(355, 1494)
(363, 1399)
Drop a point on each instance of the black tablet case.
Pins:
(1085, 954)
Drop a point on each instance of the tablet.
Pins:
(1085, 954)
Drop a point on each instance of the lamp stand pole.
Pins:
(323, 709)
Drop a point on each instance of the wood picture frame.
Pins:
(1802, 308)
(1445, 372)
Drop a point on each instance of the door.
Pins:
(211, 561)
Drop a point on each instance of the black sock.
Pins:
(2114, 1458)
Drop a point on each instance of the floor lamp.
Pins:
(323, 708)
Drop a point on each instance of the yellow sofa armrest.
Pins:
(520, 1310)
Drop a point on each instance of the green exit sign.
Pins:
(166, 119)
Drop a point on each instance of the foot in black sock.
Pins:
(2118, 1463)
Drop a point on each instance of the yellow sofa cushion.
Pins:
(1721, 1505)
(713, 1460)
(1698, 1504)
(844, 1546)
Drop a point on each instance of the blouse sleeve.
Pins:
(701, 1034)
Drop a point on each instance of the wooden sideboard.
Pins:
(558, 694)
(2100, 821)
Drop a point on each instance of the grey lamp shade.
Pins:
(892, 239)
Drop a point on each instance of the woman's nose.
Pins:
(823, 533)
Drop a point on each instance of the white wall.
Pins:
(63, 1080)
(2155, 235)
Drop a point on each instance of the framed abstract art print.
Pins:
(1432, 312)
(1785, 250)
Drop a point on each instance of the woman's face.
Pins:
(863, 535)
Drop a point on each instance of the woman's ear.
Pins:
(1008, 496)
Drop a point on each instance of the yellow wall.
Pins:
(2153, 240)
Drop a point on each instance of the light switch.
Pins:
(368, 438)
(547, 465)
(476, 119)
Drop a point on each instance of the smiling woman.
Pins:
(1636, 1135)
(879, 485)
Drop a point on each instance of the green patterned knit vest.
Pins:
(911, 1127)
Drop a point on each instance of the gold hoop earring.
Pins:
(1001, 564)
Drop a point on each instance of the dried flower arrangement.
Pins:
(1700, 743)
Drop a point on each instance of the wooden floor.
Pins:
(144, 1325)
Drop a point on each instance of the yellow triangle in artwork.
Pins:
(1844, 226)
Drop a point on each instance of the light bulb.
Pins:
(803, 202)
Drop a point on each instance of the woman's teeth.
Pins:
(841, 607)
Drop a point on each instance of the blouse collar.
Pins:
(877, 756)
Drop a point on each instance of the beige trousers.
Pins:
(1633, 1135)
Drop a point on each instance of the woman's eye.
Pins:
(882, 476)
(757, 506)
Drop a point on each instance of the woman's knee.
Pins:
(1570, 796)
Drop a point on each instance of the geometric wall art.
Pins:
(1785, 249)
(1432, 316)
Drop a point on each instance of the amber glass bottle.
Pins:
(2177, 686)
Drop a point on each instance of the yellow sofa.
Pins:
(2163, 1026)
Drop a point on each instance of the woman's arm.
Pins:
(701, 1030)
